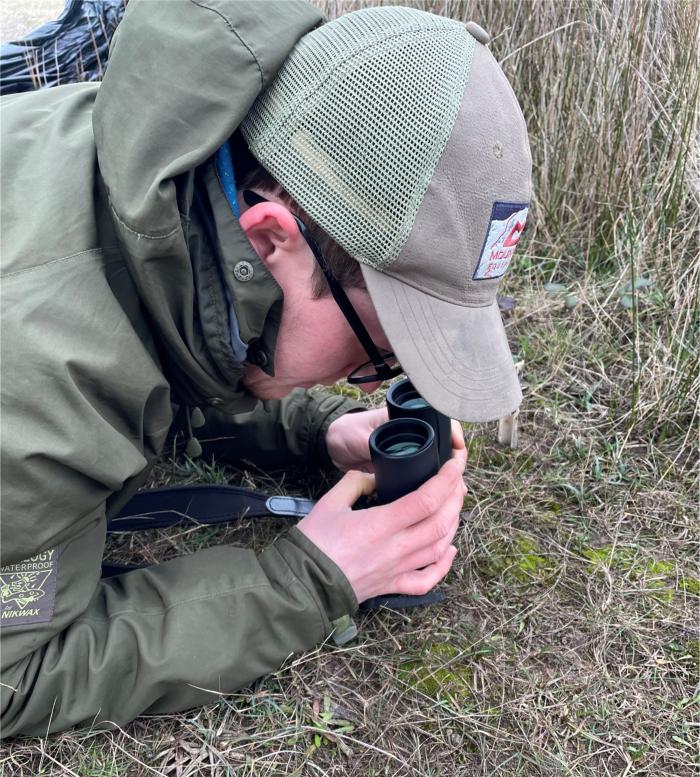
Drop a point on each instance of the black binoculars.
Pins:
(406, 451)
(411, 447)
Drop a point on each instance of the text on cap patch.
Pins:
(505, 228)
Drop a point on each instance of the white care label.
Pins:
(505, 228)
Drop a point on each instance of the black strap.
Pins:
(158, 508)
(402, 601)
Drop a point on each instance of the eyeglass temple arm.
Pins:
(344, 304)
(253, 198)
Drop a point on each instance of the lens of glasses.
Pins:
(368, 373)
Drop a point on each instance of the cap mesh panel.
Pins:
(357, 118)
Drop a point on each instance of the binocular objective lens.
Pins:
(402, 448)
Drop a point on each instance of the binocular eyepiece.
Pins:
(404, 455)
(410, 448)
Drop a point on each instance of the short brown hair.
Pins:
(346, 269)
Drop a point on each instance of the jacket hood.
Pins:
(182, 75)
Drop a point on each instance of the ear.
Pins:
(272, 231)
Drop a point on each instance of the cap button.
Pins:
(243, 271)
(478, 32)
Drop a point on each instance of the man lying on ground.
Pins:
(155, 262)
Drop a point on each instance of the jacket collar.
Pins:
(255, 295)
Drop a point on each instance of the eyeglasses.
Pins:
(380, 366)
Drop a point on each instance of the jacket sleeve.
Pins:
(278, 433)
(172, 636)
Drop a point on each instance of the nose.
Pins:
(368, 388)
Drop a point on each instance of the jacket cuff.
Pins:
(323, 579)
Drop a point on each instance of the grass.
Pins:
(568, 643)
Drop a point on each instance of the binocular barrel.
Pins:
(412, 446)
(404, 401)
(404, 455)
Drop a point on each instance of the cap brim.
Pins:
(457, 357)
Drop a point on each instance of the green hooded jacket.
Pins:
(118, 248)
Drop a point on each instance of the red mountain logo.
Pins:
(505, 230)
(514, 235)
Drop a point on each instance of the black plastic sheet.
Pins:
(72, 48)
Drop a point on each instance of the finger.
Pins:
(457, 435)
(420, 581)
(460, 455)
(378, 417)
(425, 500)
(348, 490)
(430, 536)
(431, 554)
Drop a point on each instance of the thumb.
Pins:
(348, 490)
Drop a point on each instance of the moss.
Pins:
(521, 562)
(691, 585)
(627, 559)
(438, 672)
(665, 568)
(661, 575)
(344, 389)
(598, 557)
(547, 515)
(650, 573)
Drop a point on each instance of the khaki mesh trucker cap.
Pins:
(397, 131)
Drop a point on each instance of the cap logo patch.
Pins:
(505, 228)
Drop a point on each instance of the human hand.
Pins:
(347, 439)
(404, 547)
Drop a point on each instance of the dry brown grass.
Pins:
(568, 643)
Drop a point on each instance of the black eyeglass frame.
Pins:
(383, 371)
